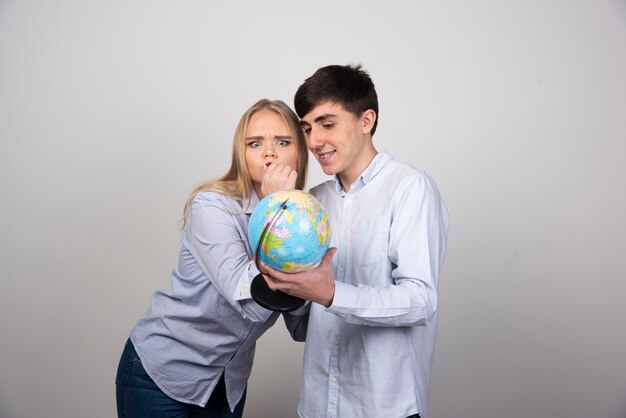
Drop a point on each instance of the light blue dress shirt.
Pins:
(370, 353)
(205, 325)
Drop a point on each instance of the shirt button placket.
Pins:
(333, 384)
(333, 369)
(344, 237)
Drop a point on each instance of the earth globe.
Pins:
(288, 231)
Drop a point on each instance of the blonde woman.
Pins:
(191, 353)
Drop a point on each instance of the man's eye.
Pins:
(328, 125)
(306, 130)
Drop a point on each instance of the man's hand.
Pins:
(278, 177)
(316, 285)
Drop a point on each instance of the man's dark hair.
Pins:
(350, 86)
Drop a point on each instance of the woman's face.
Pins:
(268, 141)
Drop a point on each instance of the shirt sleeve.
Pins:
(297, 321)
(219, 248)
(417, 242)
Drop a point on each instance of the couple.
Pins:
(370, 329)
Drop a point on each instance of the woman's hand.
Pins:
(278, 177)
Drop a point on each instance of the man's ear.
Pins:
(368, 117)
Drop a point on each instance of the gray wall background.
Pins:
(112, 111)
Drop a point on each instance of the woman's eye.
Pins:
(254, 144)
(283, 142)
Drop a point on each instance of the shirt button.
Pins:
(333, 379)
(229, 268)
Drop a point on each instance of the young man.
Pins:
(371, 333)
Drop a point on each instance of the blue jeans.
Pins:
(139, 397)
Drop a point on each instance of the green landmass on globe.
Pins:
(298, 232)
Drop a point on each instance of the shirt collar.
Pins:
(378, 162)
(254, 200)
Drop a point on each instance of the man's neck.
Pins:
(348, 177)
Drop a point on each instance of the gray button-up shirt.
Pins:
(201, 328)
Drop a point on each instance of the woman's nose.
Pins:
(269, 152)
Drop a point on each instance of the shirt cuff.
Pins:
(242, 291)
(345, 299)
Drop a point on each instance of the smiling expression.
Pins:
(340, 140)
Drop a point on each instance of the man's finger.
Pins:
(270, 281)
(328, 257)
(270, 271)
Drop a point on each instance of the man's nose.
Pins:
(314, 139)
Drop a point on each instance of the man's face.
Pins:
(339, 140)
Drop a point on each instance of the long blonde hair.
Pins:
(237, 182)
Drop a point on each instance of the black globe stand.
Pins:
(271, 299)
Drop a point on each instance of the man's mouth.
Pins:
(325, 155)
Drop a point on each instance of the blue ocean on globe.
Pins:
(297, 232)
